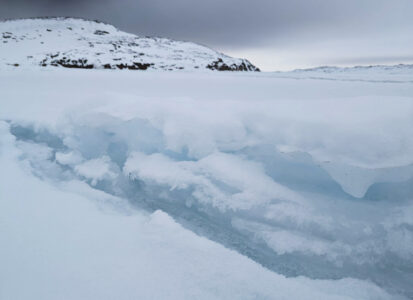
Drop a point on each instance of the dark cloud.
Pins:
(239, 24)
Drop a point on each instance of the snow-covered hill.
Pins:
(77, 43)
(371, 69)
(375, 73)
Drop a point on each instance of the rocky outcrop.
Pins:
(220, 65)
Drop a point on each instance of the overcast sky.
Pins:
(273, 34)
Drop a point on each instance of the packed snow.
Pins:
(205, 185)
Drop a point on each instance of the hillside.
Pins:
(77, 43)
(374, 73)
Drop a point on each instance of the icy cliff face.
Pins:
(77, 43)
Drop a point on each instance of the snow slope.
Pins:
(77, 43)
(307, 177)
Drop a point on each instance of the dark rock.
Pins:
(135, 66)
(142, 66)
(221, 66)
(101, 32)
(67, 63)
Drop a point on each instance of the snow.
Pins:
(69, 42)
(69, 158)
(96, 169)
(58, 242)
(251, 186)
(374, 73)
(205, 185)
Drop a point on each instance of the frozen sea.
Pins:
(203, 185)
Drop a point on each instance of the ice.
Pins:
(356, 180)
(310, 178)
(69, 158)
(59, 242)
(96, 169)
(222, 180)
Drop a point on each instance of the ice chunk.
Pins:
(96, 169)
(69, 158)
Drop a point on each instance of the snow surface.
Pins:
(135, 184)
(77, 43)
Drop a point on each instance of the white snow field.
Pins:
(180, 185)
